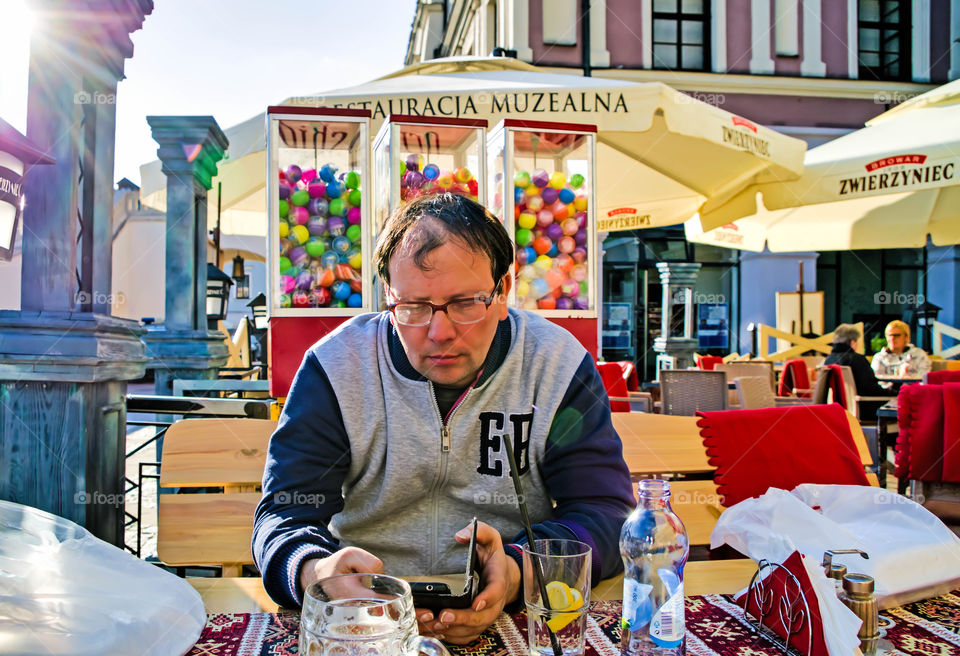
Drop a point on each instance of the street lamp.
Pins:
(16, 154)
(218, 293)
(241, 278)
(258, 307)
(926, 314)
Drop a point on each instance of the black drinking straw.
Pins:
(531, 542)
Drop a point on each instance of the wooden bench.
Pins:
(211, 529)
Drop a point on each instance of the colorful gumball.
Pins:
(584, 288)
(315, 247)
(329, 260)
(580, 237)
(319, 297)
(318, 207)
(542, 245)
(564, 262)
(328, 173)
(580, 203)
(355, 258)
(352, 180)
(579, 272)
(554, 278)
(431, 171)
(299, 257)
(336, 226)
(285, 300)
(284, 209)
(524, 237)
(301, 299)
(353, 233)
(299, 234)
(554, 251)
(542, 264)
(538, 288)
(445, 181)
(553, 231)
(300, 216)
(340, 290)
(576, 180)
(284, 264)
(521, 179)
(300, 197)
(463, 174)
(569, 227)
(473, 187)
(316, 189)
(414, 179)
(356, 284)
(354, 198)
(532, 190)
(566, 244)
(334, 189)
(353, 216)
(317, 226)
(549, 195)
(527, 273)
(566, 195)
(558, 180)
(325, 277)
(523, 288)
(560, 212)
(344, 272)
(535, 203)
(544, 218)
(284, 191)
(581, 218)
(355, 300)
(413, 162)
(293, 173)
(284, 229)
(518, 195)
(527, 220)
(287, 284)
(308, 175)
(540, 178)
(547, 303)
(304, 280)
(564, 303)
(337, 207)
(570, 288)
(522, 257)
(341, 244)
(580, 303)
(579, 254)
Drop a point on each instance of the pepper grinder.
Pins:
(857, 595)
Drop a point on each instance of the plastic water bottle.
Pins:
(654, 547)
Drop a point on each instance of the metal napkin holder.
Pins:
(792, 610)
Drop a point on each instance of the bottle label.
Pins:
(666, 628)
(637, 608)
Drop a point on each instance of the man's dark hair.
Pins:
(459, 217)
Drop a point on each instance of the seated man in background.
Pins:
(844, 353)
(899, 357)
(391, 439)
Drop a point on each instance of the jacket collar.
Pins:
(495, 356)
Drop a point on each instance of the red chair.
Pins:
(708, 362)
(794, 381)
(754, 450)
(616, 386)
(831, 380)
(928, 446)
(630, 375)
(941, 377)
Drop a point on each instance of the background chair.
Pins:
(708, 362)
(941, 376)
(614, 383)
(795, 379)
(754, 392)
(686, 392)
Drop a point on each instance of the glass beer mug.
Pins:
(361, 614)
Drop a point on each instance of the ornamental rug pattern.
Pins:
(715, 627)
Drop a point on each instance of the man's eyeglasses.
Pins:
(460, 310)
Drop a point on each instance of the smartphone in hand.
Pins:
(436, 596)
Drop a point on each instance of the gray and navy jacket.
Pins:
(362, 457)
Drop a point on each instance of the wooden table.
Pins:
(661, 444)
(246, 595)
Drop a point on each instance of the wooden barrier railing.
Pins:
(799, 343)
(939, 331)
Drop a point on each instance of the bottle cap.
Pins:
(653, 488)
(858, 584)
(836, 571)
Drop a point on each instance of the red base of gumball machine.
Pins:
(289, 339)
(585, 330)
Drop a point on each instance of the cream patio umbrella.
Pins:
(888, 185)
(661, 155)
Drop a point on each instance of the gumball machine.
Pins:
(320, 237)
(542, 181)
(421, 155)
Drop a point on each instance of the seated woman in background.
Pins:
(899, 357)
(844, 353)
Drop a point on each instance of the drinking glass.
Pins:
(564, 567)
(361, 615)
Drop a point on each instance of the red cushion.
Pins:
(920, 435)
(835, 380)
(943, 376)
(779, 447)
(629, 372)
(708, 362)
(794, 377)
(951, 432)
(612, 376)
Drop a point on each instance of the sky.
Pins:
(226, 58)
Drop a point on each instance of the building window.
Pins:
(681, 35)
(884, 39)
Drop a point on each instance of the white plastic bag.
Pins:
(912, 554)
(64, 591)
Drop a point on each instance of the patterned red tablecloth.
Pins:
(715, 627)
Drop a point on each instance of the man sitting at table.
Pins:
(390, 439)
(899, 357)
(844, 353)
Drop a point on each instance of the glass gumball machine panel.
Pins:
(320, 233)
(545, 186)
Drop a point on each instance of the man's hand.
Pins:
(499, 585)
(345, 561)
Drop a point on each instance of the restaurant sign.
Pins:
(623, 218)
(11, 202)
(906, 172)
